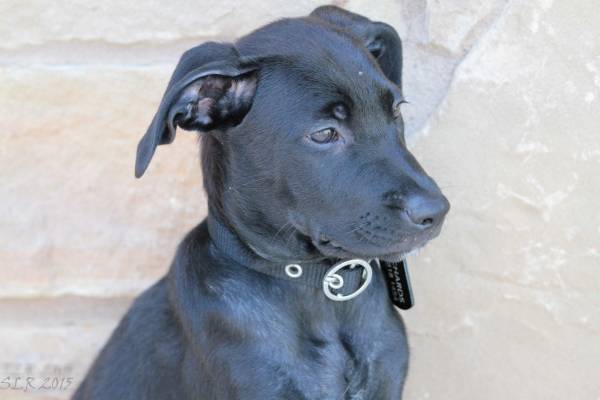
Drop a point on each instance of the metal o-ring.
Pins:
(293, 270)
(332, 277)
(335, 281)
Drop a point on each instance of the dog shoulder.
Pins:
(144, 340)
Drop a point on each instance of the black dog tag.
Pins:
(398, 283)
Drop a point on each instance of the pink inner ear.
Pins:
(243, 88)
(240, 88)
(244, 85)
(204, 105)
(213, 86)
(196, 107)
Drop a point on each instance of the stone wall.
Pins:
(504, 114)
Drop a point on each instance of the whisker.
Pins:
(293, 230)
(357, 227)
(284, 226)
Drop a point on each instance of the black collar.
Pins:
(340, 280)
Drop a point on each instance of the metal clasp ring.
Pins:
(293, 270)
(333, 280)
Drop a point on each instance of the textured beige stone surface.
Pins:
(37, 23)
(508, 297)
(75, 220)
(505, 114)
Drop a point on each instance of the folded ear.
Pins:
(211, 88)
(379, 38)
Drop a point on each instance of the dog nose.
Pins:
(423, 210)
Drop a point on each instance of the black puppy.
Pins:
(280, 293)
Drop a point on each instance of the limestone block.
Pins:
(37, 22)
(74, 218)
(507, 297)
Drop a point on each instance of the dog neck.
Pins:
(340, 279)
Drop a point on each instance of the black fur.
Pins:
(213, 329)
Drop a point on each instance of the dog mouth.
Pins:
(387, 243)
(387, 249)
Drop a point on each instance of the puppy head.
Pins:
(303, 152)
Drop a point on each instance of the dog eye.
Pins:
(324, 136)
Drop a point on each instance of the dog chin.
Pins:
(333, 249)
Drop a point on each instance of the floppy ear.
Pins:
(379, 38)
(211, 88)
